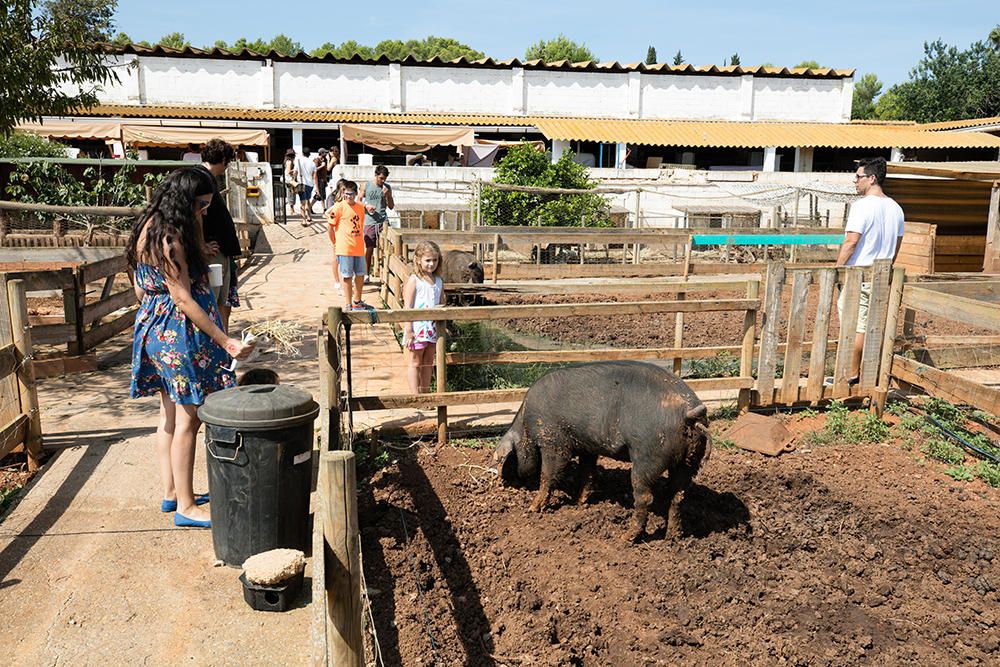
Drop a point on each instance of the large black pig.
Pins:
(458, 266)
(625, 410)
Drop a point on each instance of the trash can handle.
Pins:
(239, 444)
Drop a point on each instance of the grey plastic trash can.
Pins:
(259, 441)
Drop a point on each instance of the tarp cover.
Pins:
(75, 129)
(149, 135)
(408, 138)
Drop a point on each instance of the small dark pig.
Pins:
(625, 410)
(458, 266)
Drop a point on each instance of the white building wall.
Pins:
(320, 86)
(201, 81)
(667, 96)
(475, 90)
(453, 89)
(570, 94)
(816, 100)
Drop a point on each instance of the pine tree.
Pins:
(678, 58)
(651, 55)
(734, 59)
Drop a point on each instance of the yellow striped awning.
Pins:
(728, 134)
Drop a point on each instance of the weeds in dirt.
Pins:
(6, 496)
(470, 443)
(728, 411)
(722, 365)
(843, 425)
(989, 473)
(959, 473)
(371, 464)
(724, 443)
(473, 337)
(940, 449)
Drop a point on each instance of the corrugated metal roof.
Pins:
(295, 115)
(724, 134)
(488, 63)
(719, 134)
(961, 124)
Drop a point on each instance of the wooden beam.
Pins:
(474, 313)
(821, 330)
(952, 307)
(101, 333)
(767, 359)
(53, 334)
(8, 359)
(945, 385)
(26, 387)
(95, 311)
(102, 211)
(491, 396)
(991, 256)
(13, 434)
(796, 329)
(609, 285)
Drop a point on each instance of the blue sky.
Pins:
(884, 36)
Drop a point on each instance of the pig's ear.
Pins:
(473, 265)
(697, 412)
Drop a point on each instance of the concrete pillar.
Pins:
(396, 102)
(620, 153)
(559, 147)
(517, 101)
(297, 140)
(771, 158)
(804, 159)
(846, 99)
(634, 95)
(896, 155)
(267, 85)
(746, 97)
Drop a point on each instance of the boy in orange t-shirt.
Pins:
(346, 230)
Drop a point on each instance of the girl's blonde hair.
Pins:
(425, 248)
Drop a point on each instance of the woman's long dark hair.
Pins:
(168, 217)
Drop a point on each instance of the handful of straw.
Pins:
(283, 336)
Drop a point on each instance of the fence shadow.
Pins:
(56, 506)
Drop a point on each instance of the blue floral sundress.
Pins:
(168, 351)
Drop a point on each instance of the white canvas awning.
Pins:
(59, 128)
(409, 138)
(150, 135)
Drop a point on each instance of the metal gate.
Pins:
(279, 194)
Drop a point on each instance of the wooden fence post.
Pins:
(496, 257)
(889, 338)
(746, 353)
(330, 378)
(28, 391)
(441, 362)
(73, 300)
(340, 530)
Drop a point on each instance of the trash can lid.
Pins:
(259, 406)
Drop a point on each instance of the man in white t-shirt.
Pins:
(305, 173)
(874, 231)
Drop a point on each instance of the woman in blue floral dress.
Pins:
(179, 350)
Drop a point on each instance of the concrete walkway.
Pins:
(91, 573)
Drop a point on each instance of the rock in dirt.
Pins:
(274, 566)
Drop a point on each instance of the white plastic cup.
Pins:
(215, 275)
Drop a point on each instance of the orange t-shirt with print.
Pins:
(348, 227)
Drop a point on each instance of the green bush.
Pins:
(942, 450)
(26, 144)
(479, 337)
(525, 165)
(722, 365)
(988, 472)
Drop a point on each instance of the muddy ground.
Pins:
(837, 555)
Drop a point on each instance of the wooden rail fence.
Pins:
(20, 420)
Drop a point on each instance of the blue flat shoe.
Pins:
(182, 521)
(171, 505)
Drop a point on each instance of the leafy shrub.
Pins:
(959, 473)
(524, 165)
(722, 365)
(989, 473)
(26, 144)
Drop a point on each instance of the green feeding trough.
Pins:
(767, 239)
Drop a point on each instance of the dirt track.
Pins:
(842, 555)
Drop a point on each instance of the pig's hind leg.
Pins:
(642, 494)
(678, 482)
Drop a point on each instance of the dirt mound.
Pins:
(841, 555)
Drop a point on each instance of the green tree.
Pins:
(121, 39)
(524, 165)
(560, 48)
(678, 58)
(887, 107)
(425, 49)
(808, 64)
(174, 40)
(651, 56)
(994, 38)
(48, 65)
(950, 84)
(346, 50)
(27, 144)
(734, 59)
(866, 89)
